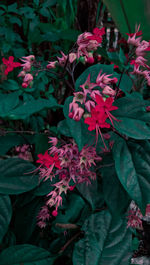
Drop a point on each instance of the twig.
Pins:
(67, 226)
(69, 242)
(28, 132)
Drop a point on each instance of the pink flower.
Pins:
(72, 108)
(10, 64)
(88, 86)
(97, 120)
(53, 141)
(141, 61)
(132, 37)
(28, 78)
(134, 219)
(47, 160)
(22, 74)
(26, 66)
(142, 48)
(83, 39)
(94, 93)
(29, 58)
(109, 91)
(89, 105)
(92, 45)
(97, 34)
(104, 79)
(52, 64)
(78, 114)
(62, 60)
(72, 57)
(79, 97)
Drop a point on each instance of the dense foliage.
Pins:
(74, 140)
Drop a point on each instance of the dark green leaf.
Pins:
(63, 128)
(27, 255)
(41, 143)
(25, 219)
(16, 176)
(31, 107)
(92, 193)
(15, 20)
(7, 103)
(5, 214)
(106, 241)
(132, 116)
(115, 196)
(132, 163)
(10, 140)
(10, 85)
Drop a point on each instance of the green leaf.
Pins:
(43, 188)
(5, 214)
(27, 255)
(44, 12)
(125, 84)
(31, 107)
(92, 193)
(16, 176)
(132, 163)
(15, 20)
(10, 140)
(72, 207)
(122, 56)
(132, 116)
(49, 3)
(7, 103)
(93, 71)
(41, 143)
(63, 128)
(126, 16)
(25, 219)
(10, 85)
(12, 8)
(106, 241)
(115, 196)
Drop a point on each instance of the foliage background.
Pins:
(29, 116)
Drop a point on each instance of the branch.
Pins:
(69, 242)
(67, 226)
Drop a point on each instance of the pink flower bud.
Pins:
(54, 213)
(148, 108)
(99, 57)
(24, 85)
(90, 60)
(71, 187)
(28, 78)
(72, 57)
(22, 74)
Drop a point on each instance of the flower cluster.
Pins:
(93, 104)
(23, 152)
(26, 76)
(138, 60)
(135, 216)
(87, 43)
(70, 167)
